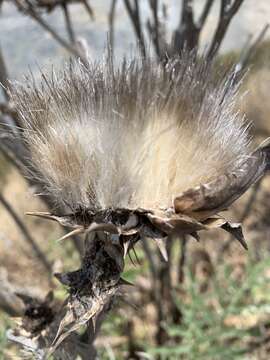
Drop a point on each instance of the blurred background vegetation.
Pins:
(212, 301)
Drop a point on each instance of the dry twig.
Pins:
(182, 259)
(69, 27)
(111, 23)
(227, 12)
(134, 15)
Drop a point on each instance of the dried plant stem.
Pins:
(134, 14)
(4, 83)
(187, 33)
(182, 259)
(227, 12)
(69, 27)
(154, 28)
(249, 50)
(89, 9)
(111, 23)
(205, 13)
(165, 287)
(3, 76)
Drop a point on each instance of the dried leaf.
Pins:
(214, 222)
(161, 223)
(179, 223)
(205, 200)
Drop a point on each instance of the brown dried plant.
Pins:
(141, 151)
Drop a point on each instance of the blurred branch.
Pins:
(156, 289)
(182, 259)
(250, 49)
(3, 76)
(227, 12)
(244, 59)
(150, 258)
(39, 253)
(165, 293)
(205, 13)
(154, 28)
(69, 27)
(50, 5)
(187, 33)
(89, 9)
(111, 23)
(134, 15)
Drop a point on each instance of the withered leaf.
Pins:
(176, 223)
(207, 199)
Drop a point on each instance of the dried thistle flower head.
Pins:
(142, 150)
(139, 136)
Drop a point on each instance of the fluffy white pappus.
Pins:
(133, 136)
